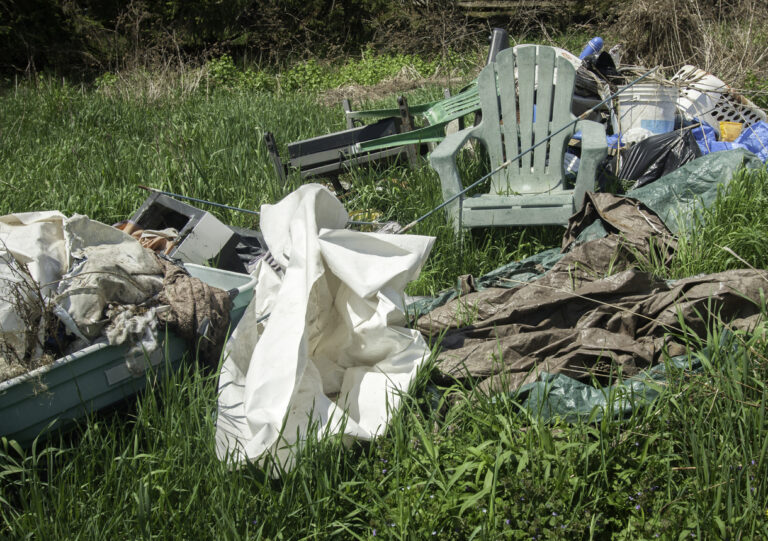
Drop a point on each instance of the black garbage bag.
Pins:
(602, 64)
(658, 155)
(596, 71)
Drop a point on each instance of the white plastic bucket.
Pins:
(648, 106)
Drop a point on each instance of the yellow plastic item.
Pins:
(729, 131)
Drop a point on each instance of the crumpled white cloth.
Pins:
(34, 240)
(38, 248)
(109, 266)
(335, 342)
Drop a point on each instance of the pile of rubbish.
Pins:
(325, 345)
(552, 324)
(69, 283)
(660, 124)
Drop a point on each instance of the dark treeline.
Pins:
(83, 37)
(72, 37)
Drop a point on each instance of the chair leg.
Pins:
(269, 140)
(406, 125)
(347, 113)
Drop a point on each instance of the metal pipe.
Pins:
(196, 200)
(230, 207)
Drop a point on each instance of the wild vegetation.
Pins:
(454, 464)
(82, 39)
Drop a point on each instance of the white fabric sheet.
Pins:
(111, 267)
(36, 241)
(335, 341)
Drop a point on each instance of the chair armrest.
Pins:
(419, 109)
(428, 134)
(593, 149)
(443, 160)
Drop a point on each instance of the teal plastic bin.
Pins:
(71, 387)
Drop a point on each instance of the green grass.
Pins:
(86, 152)
(730, 234)
(693, 464)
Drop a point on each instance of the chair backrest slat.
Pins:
(454, 107)
(561, 114)
(545, 71)
(508, 98)
(526, 66)
(489, 103)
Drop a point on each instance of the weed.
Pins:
(730, 233)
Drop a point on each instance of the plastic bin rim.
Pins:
(48, 367)
(7, 384)
(250, 284)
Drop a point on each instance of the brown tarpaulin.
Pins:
(592, 314)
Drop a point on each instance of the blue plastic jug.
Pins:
(595, 45)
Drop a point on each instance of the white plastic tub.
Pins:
(649, 107)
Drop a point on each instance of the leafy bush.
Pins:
(312, 75)
(305, 76)
(757, 89)
(222, 72)
(105, 80)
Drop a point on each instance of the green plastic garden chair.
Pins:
(437, 115)
(525, 96)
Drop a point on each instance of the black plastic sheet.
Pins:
(658, 155)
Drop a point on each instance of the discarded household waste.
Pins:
(547, 327)
(67, 283)
(753, 138)
(323, 347)
(656, 156)
(86, 311)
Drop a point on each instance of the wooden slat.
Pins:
(483, 9)
(507, 4)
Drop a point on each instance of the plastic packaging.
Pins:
(616, 53)
(658, 155)
(571, 166)
(729, 131)
(753, 138)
